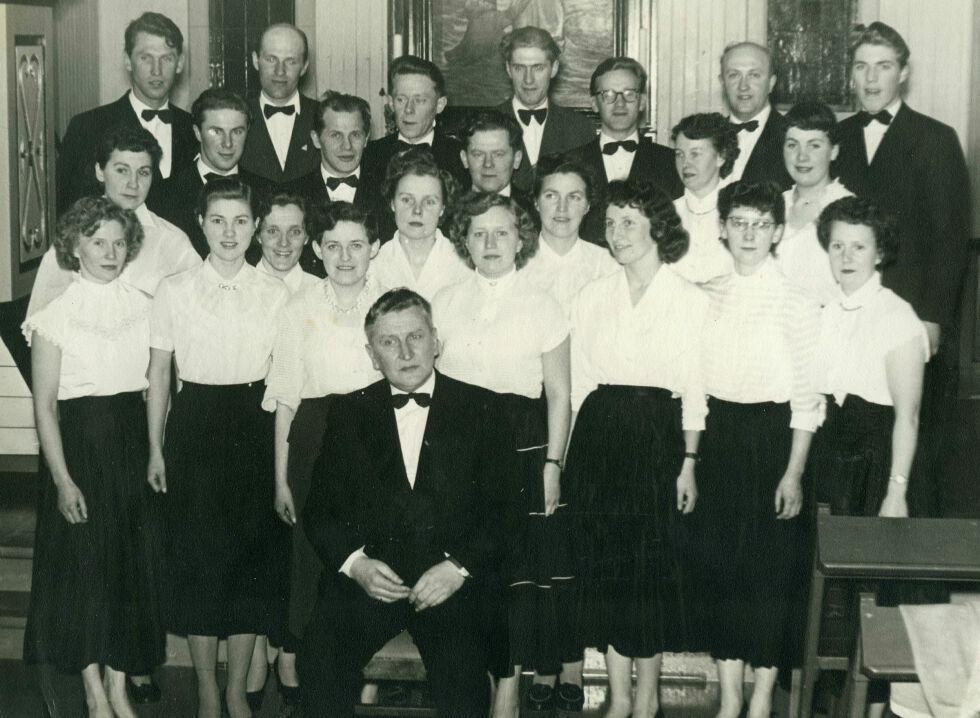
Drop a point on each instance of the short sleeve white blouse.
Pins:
(442, 267)
(564, 275)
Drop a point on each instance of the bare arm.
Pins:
(904, 368)
(157, 401)
(555, 365)
(789, 492)
(285, 508)
(687, 489)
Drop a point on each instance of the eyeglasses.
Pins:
(609, 97)
(759, 225)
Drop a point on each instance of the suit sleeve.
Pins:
(75, 172)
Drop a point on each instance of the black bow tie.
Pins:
(211, 176)
(883, 116)
(270, 110)
(538, 114)
(610, 148)
(402, 145)
(400, 401)
(335, 182)
(750, 126)
(166, 116)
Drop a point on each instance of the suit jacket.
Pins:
(76, 157)
(260, 157)
(464, 500)
(653, 163)
(564, 129)
(919, 175)
(445, 149)
(367, 196)
(766, 161)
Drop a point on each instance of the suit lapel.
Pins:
(597, 165)
(894, 138)
(299, 139)
(438, 426)
(263, 151)
(381, 425)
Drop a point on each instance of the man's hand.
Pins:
(378, 580)
(935, 333)
(436, 585)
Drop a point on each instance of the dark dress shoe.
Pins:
(255, 699)
(143, 693)
(570, 698)
(540, 698)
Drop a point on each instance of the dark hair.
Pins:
(529, 36)
(745, 43)
(413, 65)
(83, 219)
(324, 217)
(761, 196)
(280, 25)
(813, 116)
(859, 211)
(282, 199)
(396, 300)
(490, 120)
(223, 188)
(127, 139)
(473, 204)
(419, 161)
(666, 229)
(715, 127)
(339, 102)
(153, 23)
(878, 33)
(218, 98)
(556, 165)
(619, 63)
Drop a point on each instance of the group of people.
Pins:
(521, 393)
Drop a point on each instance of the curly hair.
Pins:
(83, 219)
(127, 139)
(223, 188)
(859, 211)
(666, 229)
(715, 127)
(556, 165)
(325, 216)
(761, 196)
(474, 204)
(419, 161)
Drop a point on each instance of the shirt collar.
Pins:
(292, 279)
(499, 283)
(294, 101)
(145, 216)
(212, 276)
(604, 139)
(506, 191)
(766, 271)
(762, 116)
(863, 295)
(326, 173)
(139, 105)
(701, 205)
(427, 386)
(425, 139)
(203, 168)
(518, 105)
(893, 107)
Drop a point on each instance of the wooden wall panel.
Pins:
(77, 80)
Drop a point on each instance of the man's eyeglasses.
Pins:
(609, 97)
(759, 225)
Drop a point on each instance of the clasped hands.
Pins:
(381, 583)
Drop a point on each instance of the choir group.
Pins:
(521, 392)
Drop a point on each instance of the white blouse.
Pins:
(564, 275)
(295, 280)
(799, 254)
(103, 331)
(220, 330)
(856, 335)
(706, 256)
(759, 343)
(655, 343)
(320, 349)
(165, 250)
(494, 332)
(442, 267)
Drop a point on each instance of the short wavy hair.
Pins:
(153, 23)
(715, 127)
(414, 65)
(127, 139)
(619, 63)
(490, 120)
(878, 33)
(556, 165)
(473, 204)
(529, 36)
(340, 102)
(325, 216)
(223, 188)
(218, 98)
(83, 219)
(396, 300)
(760, 196)
(813, 116)
(419, 161)
(282, 199)
(666, 229)
(859, 211)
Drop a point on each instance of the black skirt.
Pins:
(635, 585)
(751, 559)
(221, 523)
(95, 595)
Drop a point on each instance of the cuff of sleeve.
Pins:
(806, 420)
(270, 402)
(161, 343)
(345, 566)
(459, 567)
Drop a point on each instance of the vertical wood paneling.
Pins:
(77, 79)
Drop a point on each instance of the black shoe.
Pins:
(255, 699)
(570, 698)
(143, 693)
(540, 698)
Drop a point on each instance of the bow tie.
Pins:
(750, 126)
(402, 145)
(166, 116)
(883, 116)
(270, 110)
(400, 401)
(335, 182)
(610, 148)
(211, 176)
(538, 115)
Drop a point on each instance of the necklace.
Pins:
(709, 210)
(331, 296)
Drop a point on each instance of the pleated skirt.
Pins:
(95, 595)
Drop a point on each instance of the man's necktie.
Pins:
(610, 148)
(211, 176)
(270, 110)
(538, 115)
(883, 116)
(399, 401)
(335, 182)
(166, 116)
(750, 126)
(402, 145)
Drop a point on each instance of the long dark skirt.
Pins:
(95, 596)
(635, 585)
(751, 558)
(220, 515)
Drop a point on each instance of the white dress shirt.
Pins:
(295, 280)
(203, 170)
(344, 192)
(280, 125)
(564, 275)
(655, 343)
(746, 143)
(532, 131)
(618, 164)
(442, 267)
(162, 131)
(425, 139)
(706, 256)
(874, 131)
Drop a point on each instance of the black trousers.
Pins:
(347, 628)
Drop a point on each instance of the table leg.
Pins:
(811, 641)
(857, 683)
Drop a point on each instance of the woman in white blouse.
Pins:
(282, 235)
(639, 407)
(218, 322)
(810, 147)
(419, 256)
(94, 593)
(763, 408)
(705, 149)
(502, 332)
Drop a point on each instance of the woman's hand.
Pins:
(687, 488)
(789, 497)
(71, 503)
(156, 473)
(552, 488)
(285, 508)
(894, 506)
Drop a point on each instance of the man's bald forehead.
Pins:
(286, 28)
(747, 46)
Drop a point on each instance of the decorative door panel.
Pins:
(32, 157)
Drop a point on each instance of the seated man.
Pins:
(407, 511)
(492, 152)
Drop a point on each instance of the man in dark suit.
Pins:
(154, 49)
(748, 79)
(618, 89)
(491, 152)
(416, 96)
(408, 514)
(278, 147)
(547, 129)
